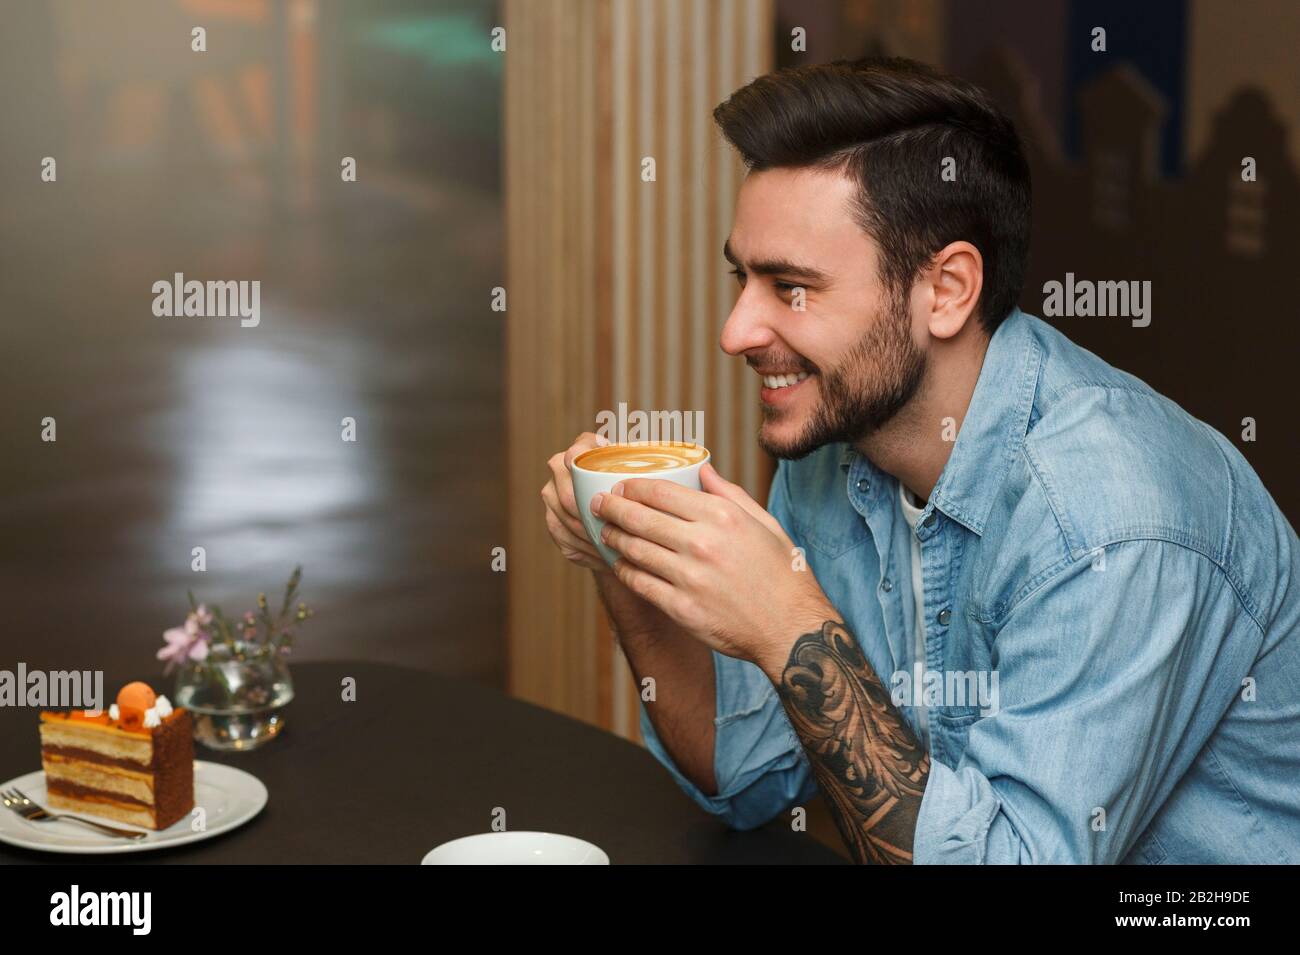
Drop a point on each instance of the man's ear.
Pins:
(956, 276)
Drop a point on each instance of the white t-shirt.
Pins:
(912, 509)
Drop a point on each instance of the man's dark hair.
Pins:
(889, 123)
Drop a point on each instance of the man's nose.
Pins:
(746, 327)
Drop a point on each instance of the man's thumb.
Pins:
(715, 483)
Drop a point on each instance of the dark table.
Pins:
(419, 759)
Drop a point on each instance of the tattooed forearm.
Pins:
(867, 760)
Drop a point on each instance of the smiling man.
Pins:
(965, 495)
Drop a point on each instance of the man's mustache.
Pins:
(767, 360)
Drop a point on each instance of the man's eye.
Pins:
(781, 287)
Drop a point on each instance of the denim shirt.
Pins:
(1120, 570)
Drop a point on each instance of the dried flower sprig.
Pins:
(205, 627)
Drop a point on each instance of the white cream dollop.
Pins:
(151, 718)
(113, 713)
(163, 706)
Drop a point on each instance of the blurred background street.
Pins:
(175, 433)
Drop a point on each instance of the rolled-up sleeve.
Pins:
(1111, 677)
(758, 762)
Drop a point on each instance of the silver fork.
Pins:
(15, 800)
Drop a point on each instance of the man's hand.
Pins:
(652, 643)
(716, 563)
(630, 615)
(562, 520)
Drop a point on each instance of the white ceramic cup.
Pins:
(587, 484)
(516, 848)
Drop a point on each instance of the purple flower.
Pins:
(178, 645)
(187, 642)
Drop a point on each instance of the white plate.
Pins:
(516, 848)
(229, 796)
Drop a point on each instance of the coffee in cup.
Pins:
(639, 459)
(597, 470)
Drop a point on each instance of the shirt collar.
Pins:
(995, 424)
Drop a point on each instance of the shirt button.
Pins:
(863, 485)
(944, 616)
(886, 585)
(930, 519)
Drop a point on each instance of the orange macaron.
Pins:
(132, 702)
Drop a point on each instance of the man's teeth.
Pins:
(783, 381)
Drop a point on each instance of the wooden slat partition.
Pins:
(617, 290)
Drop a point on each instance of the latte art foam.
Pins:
(640, 458)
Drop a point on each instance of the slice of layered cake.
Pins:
(133, 764)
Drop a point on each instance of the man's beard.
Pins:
(877, 377)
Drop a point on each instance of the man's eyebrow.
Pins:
(776, 267)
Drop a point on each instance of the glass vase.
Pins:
(236, 695)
